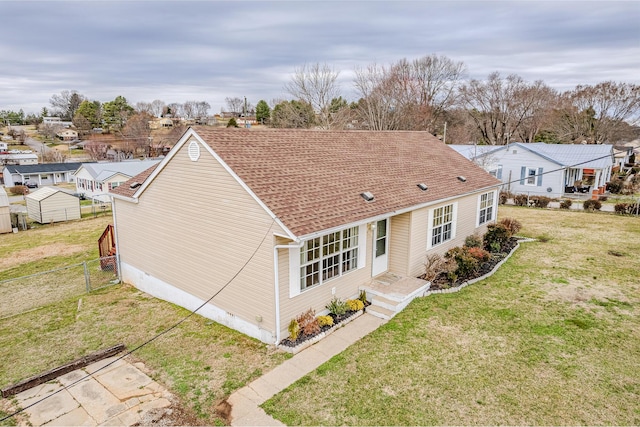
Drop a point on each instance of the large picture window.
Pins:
(442, 225)
(327, 257)
(486, 208)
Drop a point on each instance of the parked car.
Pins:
(31, 184)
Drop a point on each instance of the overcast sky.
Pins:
(178, 51)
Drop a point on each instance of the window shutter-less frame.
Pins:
(539, 177)
(523, 172)
(499, 172)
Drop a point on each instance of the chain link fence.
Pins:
(26, 293)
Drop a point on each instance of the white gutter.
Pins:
(276, 282)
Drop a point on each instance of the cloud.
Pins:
(178, 51)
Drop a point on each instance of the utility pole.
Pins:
(444, 137)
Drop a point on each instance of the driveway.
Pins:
(121, 394)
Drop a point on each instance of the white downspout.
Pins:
(276, 282)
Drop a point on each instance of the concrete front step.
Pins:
(383, 302)
(381, 312)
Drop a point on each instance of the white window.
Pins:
(327, 257)
(486, 208)
(531, 177)
(442, 225)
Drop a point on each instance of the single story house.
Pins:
(5, 213)
(95, 180)
(4, 146)
(541, 169)
(18, 159)
(257, 226)
(41, 174)
(67, 135)
(50, 204)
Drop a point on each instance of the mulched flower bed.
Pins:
(336, 322)
(443, 282)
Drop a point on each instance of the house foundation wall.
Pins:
(164, 291)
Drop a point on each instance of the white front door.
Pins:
(380, 247)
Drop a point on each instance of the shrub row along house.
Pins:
(259, 226)
(541, 169)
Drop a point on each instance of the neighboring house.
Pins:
(67, 135)
(4, 146)
(622, 155)
(95, 180)
(18, 159)
(50, 204)
(51, 121)
(41, 174)
(5, 213)
(275, 222)
(541, 169)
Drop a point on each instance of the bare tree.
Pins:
(499, 106)
(144, 107)
(235, 105)
(377, 107)
(157, 107)
(316, 85)
(136, 133)
(96, 150)
(202, 109)
(66, 103)
(175, 109)
(598, 114)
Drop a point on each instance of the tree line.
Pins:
(432, 93)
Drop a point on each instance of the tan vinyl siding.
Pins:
(467, 211)
(195, 227)
(57, 207)
(317, 297)
(399, 243)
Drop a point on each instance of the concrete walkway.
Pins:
(244, 402)
(121, 395)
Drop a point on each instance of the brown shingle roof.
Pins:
(312, 180)
(126, 190)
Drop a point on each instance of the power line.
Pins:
(175, 325)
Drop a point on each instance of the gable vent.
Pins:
(367, 196)
(423, 186)
(194, 151)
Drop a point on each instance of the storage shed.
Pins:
(50, 204)
(5, 214)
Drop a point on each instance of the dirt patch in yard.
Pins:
(40, 252)
(580, 293)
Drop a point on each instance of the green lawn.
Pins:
(552, 338)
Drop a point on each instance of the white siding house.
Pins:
(5, 213)
(50, 204)
(95, 180)
(540, 169)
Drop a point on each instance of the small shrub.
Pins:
(521, 200)
(325, 321)
(473, 241)
(355, 304)
(621, 208)
(480, 254)
(565, 204)
(627, 208)
(308, 322)
(504, 197)
(466, 264)
(540, 201)
(495, 237)
(337, 307)
(294, 329)
(363, 297)
(511, 224)
(19, 190)
(544, 238)
(615, 186)
(592, 205)
(436, 264)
